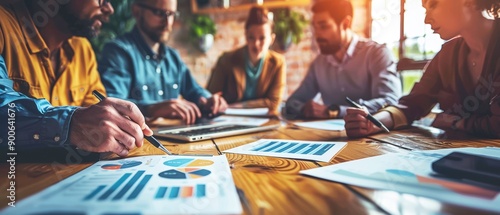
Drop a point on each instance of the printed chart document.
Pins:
(328, 125)
(141, 185)
(306, 150)
(412, 173)
(247, 111)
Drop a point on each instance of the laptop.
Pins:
(210, 131)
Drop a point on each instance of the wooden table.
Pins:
(273, 186)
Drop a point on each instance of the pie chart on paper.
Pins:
(185, 173)
(121, 165)
(188, 162)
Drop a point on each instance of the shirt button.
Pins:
(82, 89)
(160, 92)
(158, 70)
(36, 136)
(57, 138)
(56, 98)
(144, 87)
(175, 86)
(147, 57)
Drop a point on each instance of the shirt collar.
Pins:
(144, 48)
(352, 46)
(349, 52)
(32, 37)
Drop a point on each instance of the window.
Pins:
(413, 43)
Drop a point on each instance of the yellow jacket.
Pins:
(229, 77)
(27, 58)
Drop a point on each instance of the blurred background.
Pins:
(397, 23)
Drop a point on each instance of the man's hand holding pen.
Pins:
(102, 128)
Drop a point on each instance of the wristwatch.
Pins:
(334, 107)
(333, 111)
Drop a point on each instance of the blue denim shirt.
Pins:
(35, 122)
(130, 70)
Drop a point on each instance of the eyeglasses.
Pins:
(164, 14)
(103, 3)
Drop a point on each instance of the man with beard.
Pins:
(139, 67)
(51, 70)
(348, 66)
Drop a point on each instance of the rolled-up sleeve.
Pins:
(35, 123)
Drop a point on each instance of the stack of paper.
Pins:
(328, 125)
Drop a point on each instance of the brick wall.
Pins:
(230, 35)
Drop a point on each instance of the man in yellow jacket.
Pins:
(50, 74)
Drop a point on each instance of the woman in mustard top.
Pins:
(253, 75)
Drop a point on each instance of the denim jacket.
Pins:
(34, 123)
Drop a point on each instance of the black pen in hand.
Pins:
(151, 139)
(369, 116)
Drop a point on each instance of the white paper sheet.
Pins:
(329, 125)
(306, 150)
(247, 111)
(141, 185)
(412, 173)
(240, 120)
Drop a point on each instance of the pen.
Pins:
(151, 139)
(369, 116)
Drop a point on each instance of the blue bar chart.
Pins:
(293, 147)
(307, 150)
(115, 193)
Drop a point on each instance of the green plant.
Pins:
(289, 25)
(119, 23)
(201, 25)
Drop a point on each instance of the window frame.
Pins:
(404, 63)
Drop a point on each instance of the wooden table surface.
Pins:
(273, 185)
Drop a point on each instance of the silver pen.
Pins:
(151, 139)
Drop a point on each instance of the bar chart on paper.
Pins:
(142, 185)
(307, 150)
(176, 192)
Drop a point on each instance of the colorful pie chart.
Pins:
(185, 173)
(121, 165)
(188, 162)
